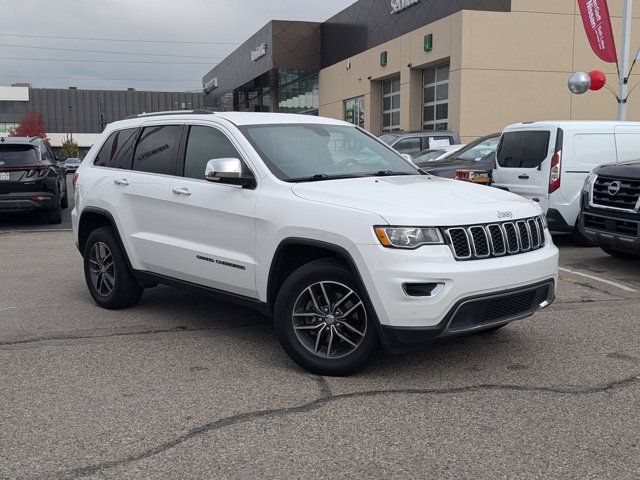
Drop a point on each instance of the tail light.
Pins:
(555, 173)
(31, 173)
(75, 179)
(40, 172)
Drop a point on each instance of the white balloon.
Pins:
(579, 83)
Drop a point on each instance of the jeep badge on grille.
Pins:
(505, 214)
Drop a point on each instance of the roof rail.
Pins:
(170, 112)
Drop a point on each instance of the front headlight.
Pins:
(408, 237)
(586, 187)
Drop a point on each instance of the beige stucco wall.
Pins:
(505, 68)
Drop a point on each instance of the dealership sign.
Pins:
(398, 6)
(597, 24)
(210, 85)
(259, 52)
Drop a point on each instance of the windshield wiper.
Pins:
(389, 173)
(318, 177)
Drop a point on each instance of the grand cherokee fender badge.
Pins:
(221, 262)
(505, 214)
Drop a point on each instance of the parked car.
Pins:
(72, 164)
(549, 161)
(477, 155)
(412, 143)
(31, 178)
(343, 255)
(432, 155)
(611, 209)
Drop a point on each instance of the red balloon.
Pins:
(598, 80)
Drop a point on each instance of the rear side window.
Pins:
(205, 143)
(157, 149)
(117, 151)
(17, 155)
(527, 149)
(410, 146)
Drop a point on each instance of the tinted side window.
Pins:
(157, 149)
(205, 143)
(523, 149)
(117, 151)
(410, 146)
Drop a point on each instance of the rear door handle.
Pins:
(181, 191)
(523, 177)
(121, 181)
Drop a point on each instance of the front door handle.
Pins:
(121, 181)
(181, 191)
(523, 177)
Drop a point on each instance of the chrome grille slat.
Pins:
(475, 242)
(625, 199)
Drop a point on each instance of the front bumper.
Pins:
(616, 229)
(385, 271)
(25, 201)
(474, 314)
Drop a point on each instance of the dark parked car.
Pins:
(412, 143)
(72, 164)
(477, 155)
(31, 178)
(610, 215)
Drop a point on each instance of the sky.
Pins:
(157, 63)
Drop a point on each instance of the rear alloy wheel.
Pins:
(323, 321)
(108, 277)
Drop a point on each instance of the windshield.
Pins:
(477, 150)
(17, 155)
(299, 152)
(388, 139)
(428, 156)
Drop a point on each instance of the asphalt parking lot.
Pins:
(184, 386)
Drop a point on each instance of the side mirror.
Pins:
(228, 171)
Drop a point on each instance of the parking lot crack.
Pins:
(325, 398)
(178, 329)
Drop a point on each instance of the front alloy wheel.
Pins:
(329, 319)
(323, 320)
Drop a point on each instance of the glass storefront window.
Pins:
(435, 99)
(391, 105)
(354, 111)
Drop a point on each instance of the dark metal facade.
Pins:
(88, 111)
(368, 23)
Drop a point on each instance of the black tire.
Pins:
(125, 291)
(619, 254)
(54, 216)
(64, 202)
(347, 358)
(581, 240)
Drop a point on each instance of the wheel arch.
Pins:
(299, 252)
(92, 218)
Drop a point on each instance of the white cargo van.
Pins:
(548, 162)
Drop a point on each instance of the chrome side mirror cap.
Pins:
(228, 171)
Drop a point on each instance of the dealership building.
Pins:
(472, 66)
(84, 113)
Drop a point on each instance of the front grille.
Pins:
(495, 240)
(626, 197)
(497, 308)
(612, 225)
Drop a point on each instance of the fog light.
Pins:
(422, 289)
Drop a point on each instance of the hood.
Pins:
(629, 170)
(420, 200)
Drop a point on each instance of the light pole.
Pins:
(624, 61)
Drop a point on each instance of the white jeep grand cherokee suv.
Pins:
(312, 221)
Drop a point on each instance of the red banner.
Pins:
(597, 24)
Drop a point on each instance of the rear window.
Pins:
(527, 149)
(17, 155)
(117, 151)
